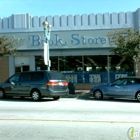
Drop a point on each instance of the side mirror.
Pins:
(12, 83)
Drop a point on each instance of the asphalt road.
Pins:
(78, 118)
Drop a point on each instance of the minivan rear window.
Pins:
(56, 76)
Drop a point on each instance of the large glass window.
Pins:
(95, 63)
(54, 63)
(88, 69)
(70, 63)
(99, 63)
(117, 66)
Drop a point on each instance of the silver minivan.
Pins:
(35, 84)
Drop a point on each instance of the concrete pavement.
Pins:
(77, 94)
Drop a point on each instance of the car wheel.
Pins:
(56, 98)
(36, 95)
(2, 94)
(98, 94)
(138, 96)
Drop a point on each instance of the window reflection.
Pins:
(96, 63)
(70, 63)
(54, 63)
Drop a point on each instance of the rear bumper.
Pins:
(51, 93)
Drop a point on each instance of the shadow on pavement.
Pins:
(84, 95)
(80, 95)
(87, 97)
(18, 99)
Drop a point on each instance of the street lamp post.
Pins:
(47, 31)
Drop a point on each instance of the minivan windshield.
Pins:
(56, 76)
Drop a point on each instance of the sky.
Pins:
(65, 7)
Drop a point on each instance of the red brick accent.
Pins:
(4, 68)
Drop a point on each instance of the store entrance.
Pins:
(22, 68)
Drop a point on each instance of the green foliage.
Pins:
(8, 45)
(126, 43)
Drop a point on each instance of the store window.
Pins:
(88, 69)
(70, 63)
(125, 66)
(54, 63)
(97, 63)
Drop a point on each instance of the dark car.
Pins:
(127, 87)
(35, 84)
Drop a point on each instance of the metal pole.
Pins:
(47, 31)
(48, 57)
(83, 68)
(108, 68)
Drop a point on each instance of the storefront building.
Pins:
(79, 45)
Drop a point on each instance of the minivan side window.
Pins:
(25, 77)
(14, 78)
(37, 76)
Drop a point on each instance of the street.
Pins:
(79, 118)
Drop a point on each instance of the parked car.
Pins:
(127, 87)
(35, 84)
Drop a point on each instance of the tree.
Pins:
(126, 44)
(8, 45)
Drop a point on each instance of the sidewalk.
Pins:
(77, 94)
(81, 91)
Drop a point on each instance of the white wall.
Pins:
(26, 23)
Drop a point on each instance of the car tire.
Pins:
(36, 96)
(56, 98)
(138, 96)
(2, 94)
(98, 94)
